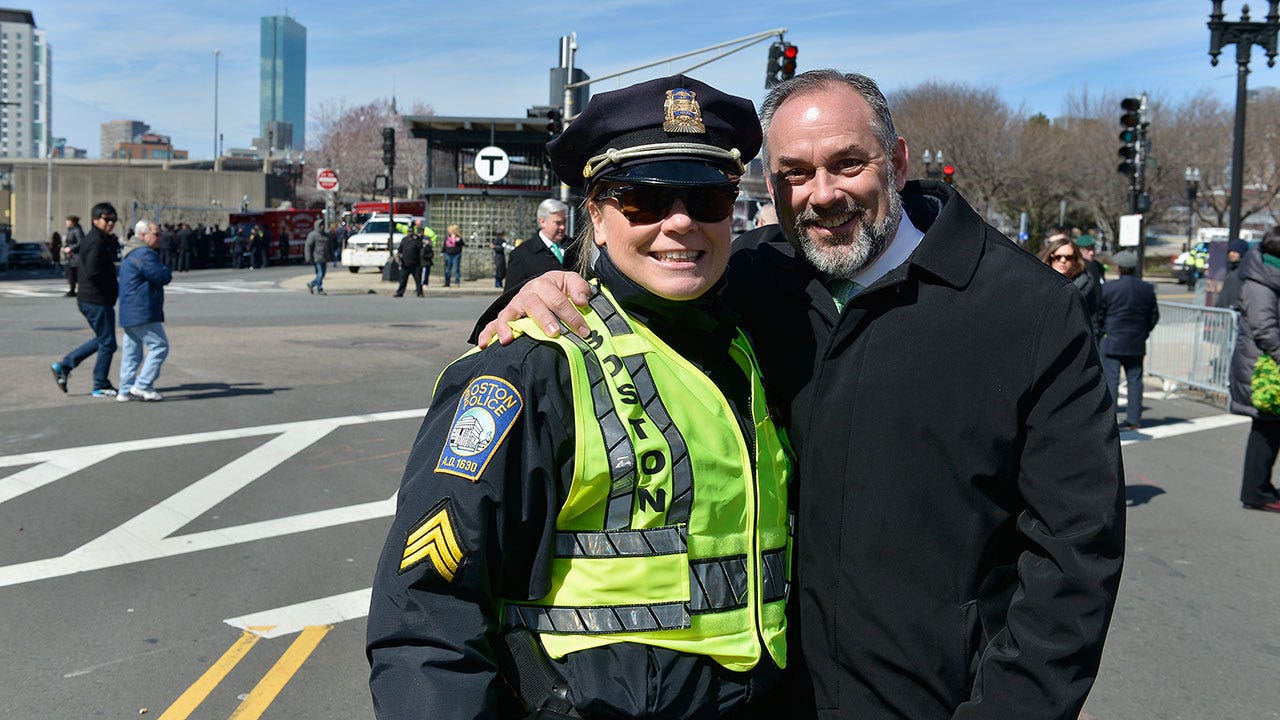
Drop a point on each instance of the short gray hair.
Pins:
(552, 206)
(817, 80)
(142, 227)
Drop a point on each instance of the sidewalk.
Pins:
(340, 281)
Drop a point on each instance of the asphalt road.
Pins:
(210, 554)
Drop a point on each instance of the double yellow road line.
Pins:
(265, 692)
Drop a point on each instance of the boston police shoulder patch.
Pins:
(486, 412)
(433, 539)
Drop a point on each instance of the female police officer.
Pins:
(598, 528)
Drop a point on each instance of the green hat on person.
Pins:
(1086, 240)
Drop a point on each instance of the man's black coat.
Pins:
(532, 258)
(1127, 316)
(961, 498)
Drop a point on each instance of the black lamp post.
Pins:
(1244, 35)
(933, 171)
(1192, 176)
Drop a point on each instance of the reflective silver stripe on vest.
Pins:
(681, 464)
(718, 584)
(621, 543)
(773, 564)
(622, 456)
(598, 620)
(609, 314)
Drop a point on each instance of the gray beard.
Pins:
(844, 255)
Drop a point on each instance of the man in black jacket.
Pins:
(409, 256)
(1127, 316)
(547, 250)
(960, 527)
(97, 301)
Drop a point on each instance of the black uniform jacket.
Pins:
(430, 637)
(532, 258)
(961, 504)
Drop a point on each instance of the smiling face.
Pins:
(835, 186)
(675, 257)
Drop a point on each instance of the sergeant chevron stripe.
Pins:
(434, 539)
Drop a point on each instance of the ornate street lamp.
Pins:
(932, 171)
(1244, 35)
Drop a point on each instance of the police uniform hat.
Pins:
(670, 131)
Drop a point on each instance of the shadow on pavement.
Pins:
(1135, 495)
(210, 391)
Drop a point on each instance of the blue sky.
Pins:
(154, 61)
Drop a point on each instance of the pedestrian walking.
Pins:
(1258, 338)
(316, 251)
(1127, 316)
(1063, 255)
(71, 253)
(55, 250)
(142, 281)
(97, 302)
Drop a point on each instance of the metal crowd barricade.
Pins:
(1191, 347)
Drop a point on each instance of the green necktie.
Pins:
(841, 291)
(555, 250)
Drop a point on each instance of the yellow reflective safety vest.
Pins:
(675, 529)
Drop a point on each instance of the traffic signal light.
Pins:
(1130, 136)
(554, 126)
(388, 146)
(788, 68)
(949, 174)
(782, 63)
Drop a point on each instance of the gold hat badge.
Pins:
(682, 112)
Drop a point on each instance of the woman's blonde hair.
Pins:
(454, 230)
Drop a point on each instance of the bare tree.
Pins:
(349, 139)
(977, 131)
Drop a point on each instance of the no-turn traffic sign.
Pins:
(492, 164)
(326, 179)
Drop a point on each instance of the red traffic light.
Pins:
(948, 173)
(789, 52)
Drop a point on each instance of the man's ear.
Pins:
(900, 157)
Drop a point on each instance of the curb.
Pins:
(337, 281)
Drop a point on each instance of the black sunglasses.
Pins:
(647, 204)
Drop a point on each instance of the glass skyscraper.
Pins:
(283, 94)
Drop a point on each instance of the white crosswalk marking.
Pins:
(54, 288)
(149, 535)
